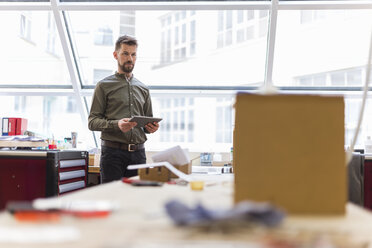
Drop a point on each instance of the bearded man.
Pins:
(115, 100)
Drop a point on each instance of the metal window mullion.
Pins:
(67, 50)
(268, 79)
(282, 5)
(319, 5)
(24, 6)
(28, 92)
(187, 5)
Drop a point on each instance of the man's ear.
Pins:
(115, 55)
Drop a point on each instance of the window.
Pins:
(52, 36)
(190, 121)
(181, 25)
(47, 116)
(174, 113)
(25, 25)
(341, 78)
(103, 37)
(208, 53)
(175, 48)
(352, 107)
(71, 106)
(99, 74)
(240, 25)
(224, 121)
(31, 45)
(334, 46)
(192, 37)
(338, 78)
(128, 22)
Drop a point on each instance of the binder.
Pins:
(11, 126)
(5, 126)
(21, 126)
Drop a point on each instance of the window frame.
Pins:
(80, 91)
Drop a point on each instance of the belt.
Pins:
(122, 146)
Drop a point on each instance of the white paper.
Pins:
(175, 155)
(74, 205)
(21, 138)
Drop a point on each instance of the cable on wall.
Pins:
(361, 113)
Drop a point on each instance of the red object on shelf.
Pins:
(21, 126)
(16, 126)
(11, 126)
(52, 147)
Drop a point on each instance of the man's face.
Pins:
(126, 57)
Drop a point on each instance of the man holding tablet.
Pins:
(116, 99)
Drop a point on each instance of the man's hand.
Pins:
(152, 127)
(125, 125)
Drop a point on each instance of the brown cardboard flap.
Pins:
(186, 168)
(162, 174)
(289, 150)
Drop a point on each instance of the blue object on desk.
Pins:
(206, 158)
(244, 213)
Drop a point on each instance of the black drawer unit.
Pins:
(26, 175)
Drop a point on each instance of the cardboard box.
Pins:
(289, 151)
(91, 159)
(162, 174)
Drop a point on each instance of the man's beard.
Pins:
(125, 68)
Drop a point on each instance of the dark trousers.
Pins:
(114, 163)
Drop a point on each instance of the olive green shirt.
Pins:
(115, 98)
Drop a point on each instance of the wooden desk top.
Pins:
(15, 143)
(141, 222)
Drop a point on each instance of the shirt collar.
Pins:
(122, 75)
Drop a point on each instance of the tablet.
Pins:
(143, 120)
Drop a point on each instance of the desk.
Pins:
(141, 222)
(24, 144)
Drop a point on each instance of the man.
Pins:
(117, 98)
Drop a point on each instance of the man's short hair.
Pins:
(125, 39)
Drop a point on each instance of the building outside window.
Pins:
(178, 117)
(51, 35)
(236, 26)
(103, 36)
(347, 77)
(99, 74)
(178, 36)
(128, 23)
(224, 120)
(26, 25)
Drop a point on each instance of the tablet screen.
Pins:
(143, 120)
